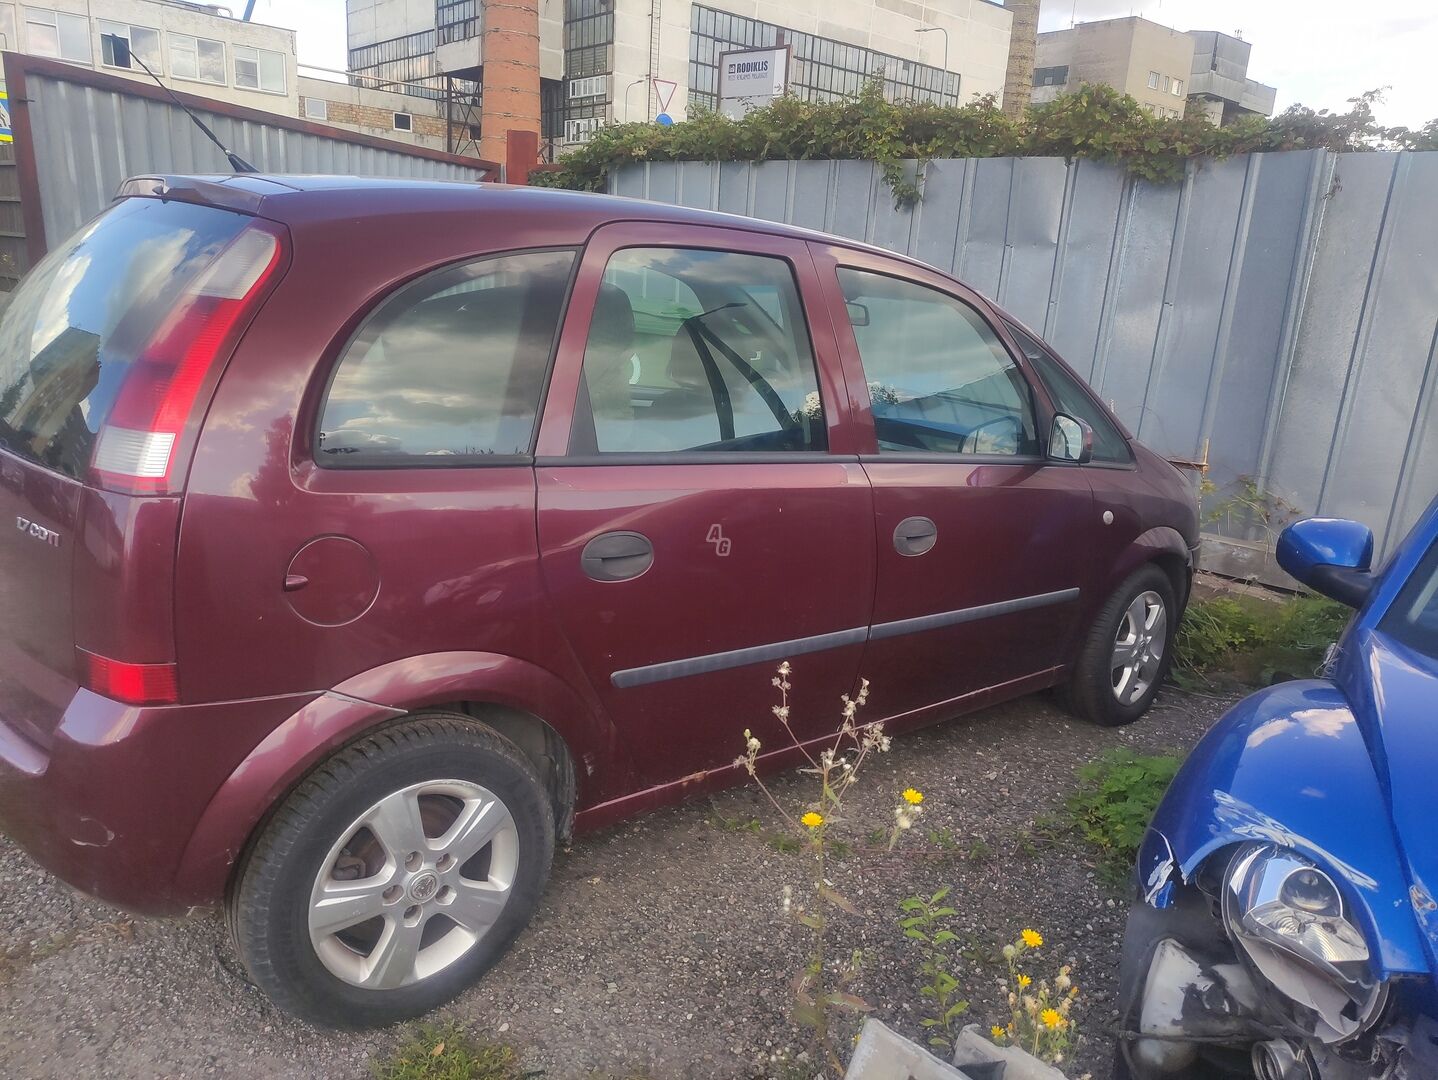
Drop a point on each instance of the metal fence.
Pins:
(1273, 314)
(79, 133)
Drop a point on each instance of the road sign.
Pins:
(664, 119)
(664, 91)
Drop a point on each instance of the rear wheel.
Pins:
(1128, 651)
(395, 874)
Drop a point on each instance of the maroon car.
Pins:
(367, 535)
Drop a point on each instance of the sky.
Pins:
(1318, 53)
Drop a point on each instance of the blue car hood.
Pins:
(1394, 694)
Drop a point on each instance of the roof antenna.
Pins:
(122, 57)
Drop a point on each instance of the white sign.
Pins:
(750, 78)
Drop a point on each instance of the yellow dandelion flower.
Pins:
(996, 1031)
(1032, 938)
(812, 819)
(1051, 1018)
(1024, 981)
(913, 797)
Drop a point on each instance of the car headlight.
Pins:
(1289, 918)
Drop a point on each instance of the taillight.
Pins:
(134, 684)
(135, 451)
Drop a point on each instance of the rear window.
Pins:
(80, 318)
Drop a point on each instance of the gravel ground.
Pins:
(660, 949)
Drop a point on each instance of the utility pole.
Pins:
(1023, 41)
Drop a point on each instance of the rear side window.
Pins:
(1069, 396)
(692, 350)
(83, 316)
(449, 370)
(939, 379)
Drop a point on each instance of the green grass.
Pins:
(445, 1052)
(1254, 640)
(1116, 797)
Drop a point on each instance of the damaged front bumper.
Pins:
(1191, 1006)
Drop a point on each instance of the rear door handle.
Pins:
(617, 556)
(915, 535)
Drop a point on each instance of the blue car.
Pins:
(1286, 918)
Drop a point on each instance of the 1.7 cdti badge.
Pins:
(37, 531)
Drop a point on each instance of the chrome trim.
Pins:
(720, 661)
(781, 650)
(972, 614)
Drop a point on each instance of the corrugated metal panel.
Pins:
(88, 140)
(1280, 310)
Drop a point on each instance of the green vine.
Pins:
(1094, 122)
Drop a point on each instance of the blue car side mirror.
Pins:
(1331, 556)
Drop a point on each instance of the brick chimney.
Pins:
(1019, 81)
(510, 81)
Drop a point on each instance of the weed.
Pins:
(1115, 799)
(1039, 1015)
(447, 1053)
(1255, 640)
(980, 853)
(923, 921)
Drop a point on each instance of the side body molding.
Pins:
(363, 701)
(1289, 766)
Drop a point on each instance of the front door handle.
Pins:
(915, 535)
(617, 556)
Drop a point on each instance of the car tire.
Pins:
(1096, 690)
(480, 828)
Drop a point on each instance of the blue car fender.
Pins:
(1289, 766)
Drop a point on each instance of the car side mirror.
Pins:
(858, 313)
(1070, 440)
(1331, 556)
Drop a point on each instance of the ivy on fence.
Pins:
(1095, 122)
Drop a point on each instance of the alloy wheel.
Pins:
(1138, 647)
(413, 884)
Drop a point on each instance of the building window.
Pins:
(821, 69)
(589, 52)
(317, 109)
(58, 34)
(404, 63)
(403, 121)
(1153, 78)
(1167, 87)
(457, 20)
(121, 44)
(259, 69)
(197, 59)
(1051, 76)
(1178, 88)
(8, 38)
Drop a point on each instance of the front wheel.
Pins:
(395, 874)
(1127, 652)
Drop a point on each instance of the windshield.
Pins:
(1413, 617)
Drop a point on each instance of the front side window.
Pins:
(121, 43)
(1413, 618)
(1070, 397)
(259, 69)
(58, 34)
(197, 58)
(699, 351)
(450, 369)
(939, 378)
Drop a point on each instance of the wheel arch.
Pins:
(575, 748)
(1165, 548)
(1288, 766)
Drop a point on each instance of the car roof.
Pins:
(294, 198)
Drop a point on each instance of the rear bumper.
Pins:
(111, 803)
